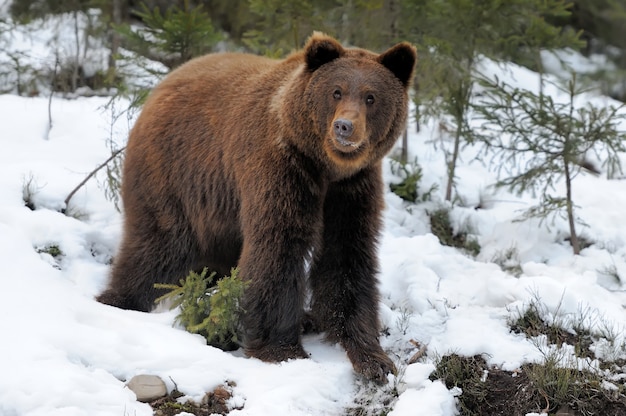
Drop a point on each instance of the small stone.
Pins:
(147, 388)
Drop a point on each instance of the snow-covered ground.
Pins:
(63, 353)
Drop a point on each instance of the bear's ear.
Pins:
(321, 49)
(400, 60)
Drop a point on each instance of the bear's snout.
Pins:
(346, 140)
(343, 128)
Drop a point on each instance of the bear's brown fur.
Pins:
(270, 165)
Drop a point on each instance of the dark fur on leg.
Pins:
(343, 276)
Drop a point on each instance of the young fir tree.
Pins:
(211, 309)
(282, 25)
(452, 34)
(352, 16)
(173, 37)
(539, 141)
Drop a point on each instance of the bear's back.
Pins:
(203, 94)
(222, 76)
(189, 124)
(217, 67)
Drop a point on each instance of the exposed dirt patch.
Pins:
(494, 392)
(509, 394)
(215, 402)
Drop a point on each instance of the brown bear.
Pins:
(273, 166)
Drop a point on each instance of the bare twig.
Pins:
(545, 396)
(419, 354)
(54, 77)
(91, 174)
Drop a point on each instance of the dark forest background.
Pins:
(447, 32)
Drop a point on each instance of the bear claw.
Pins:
(375, 367)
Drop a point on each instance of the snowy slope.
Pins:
(62, 353)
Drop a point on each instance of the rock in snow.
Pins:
(147, 388)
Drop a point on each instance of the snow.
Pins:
(570, 60)
(63, 353)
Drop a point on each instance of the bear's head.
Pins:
(357, 100)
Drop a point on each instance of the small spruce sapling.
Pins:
(211, 309)
(537, 141)
(441, 227)
(173, 37)
(411, 175)
(453, 35)
(408, 188)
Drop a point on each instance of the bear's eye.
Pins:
(369, 100)
(337, 94)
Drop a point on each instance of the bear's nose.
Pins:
(343, 128)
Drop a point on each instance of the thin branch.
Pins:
(419, 354)
(91, 174)
(54, 78)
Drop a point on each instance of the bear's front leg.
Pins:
(343, 275)
(281, 222)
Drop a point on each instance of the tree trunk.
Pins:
(116, 19)
(404, 155)
(393, 24)
(453, 159)
(570, 211)
(75, 70)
